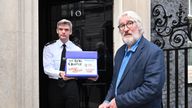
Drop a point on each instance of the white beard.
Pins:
(130, 40)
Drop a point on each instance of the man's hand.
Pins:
(113, 104)
(104, 105)
(94, 78)
(62, 75)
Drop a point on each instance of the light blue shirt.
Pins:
(52, 57)
(127, 56)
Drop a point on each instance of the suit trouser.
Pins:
(66, 96)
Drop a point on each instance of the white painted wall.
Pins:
(19, 82)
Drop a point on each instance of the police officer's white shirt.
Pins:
(52, 57)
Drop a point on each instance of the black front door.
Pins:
(92, 31)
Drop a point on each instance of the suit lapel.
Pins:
(120, 58)
(133, 58)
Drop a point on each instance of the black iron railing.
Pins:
(172, 33)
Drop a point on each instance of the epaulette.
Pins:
(51, 42)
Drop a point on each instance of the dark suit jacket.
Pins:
(142, 82)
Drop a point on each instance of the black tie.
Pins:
(61, 82)
(63, 60)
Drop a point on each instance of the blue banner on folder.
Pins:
(82, 54)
